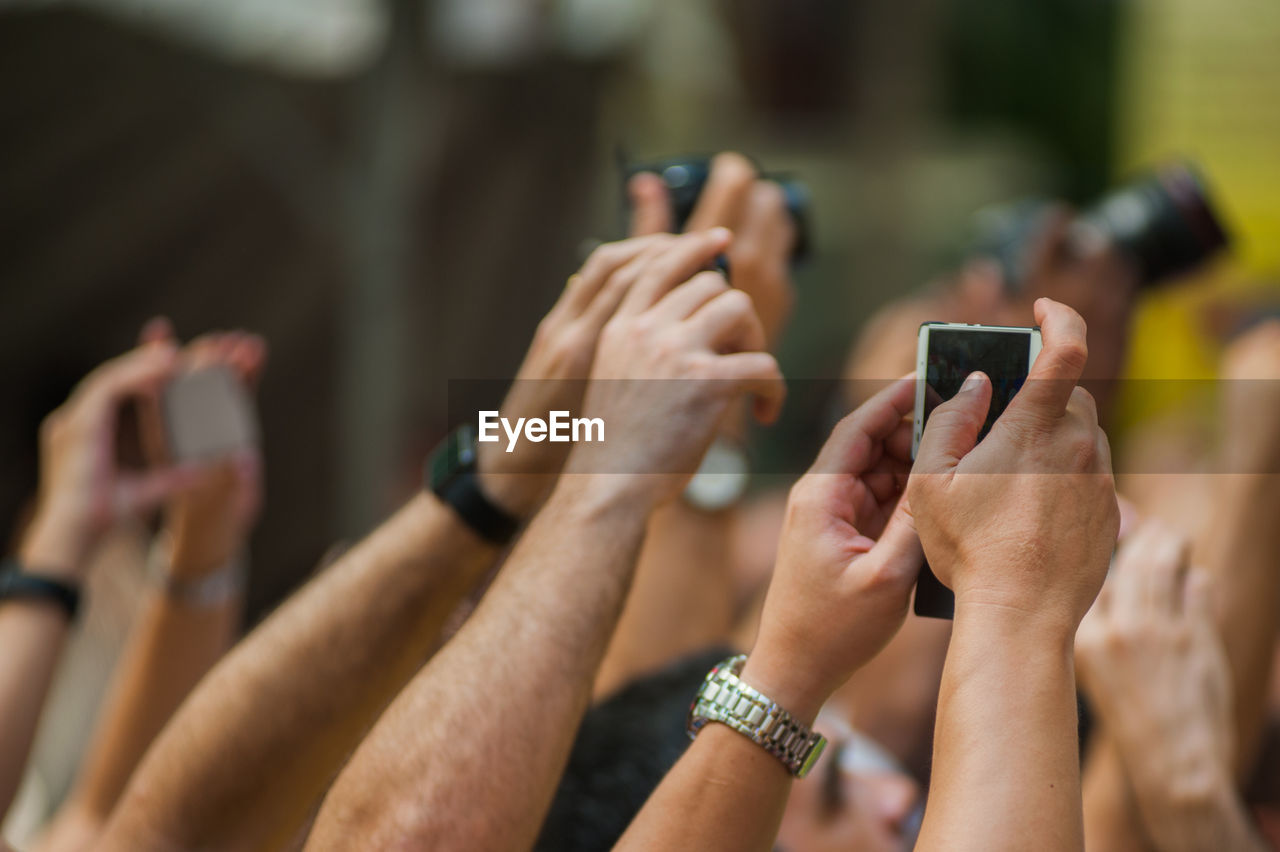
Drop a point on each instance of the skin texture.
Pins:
(1002, 525)
(682, 598)
(295, 697)
(172, 644)
(1155, 669)
(536, 640)
(82, 493)
(837, 595)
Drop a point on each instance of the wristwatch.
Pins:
(451, 475)
(16, 584)
(721, 479)
(724, 698)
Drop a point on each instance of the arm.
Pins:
(836, 597)
(517, 677)
(293, 699)
(1021, 527)
(174, 641)
(1156, 671)
(81, 494)
(683, 597)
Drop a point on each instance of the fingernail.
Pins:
(721, 234)
(971, 383)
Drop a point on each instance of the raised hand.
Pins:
(847, 560)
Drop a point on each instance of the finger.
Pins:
(248, 358)
(725, 194)
(583, 287)
(1129, 593)
(1164, 572)
(728, 323)
(765, 232)
(137, 372)
(1198, 600)
(899, 545)
(1130, 516)
(682, 302)
(678, 262)
(953, 427)
(156, 330)
(758, 374)
(650, 205)
(849, 448)
(609, 298)
(142, 492)
(1057, 369)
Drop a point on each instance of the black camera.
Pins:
(1164, 222)
(686, 176)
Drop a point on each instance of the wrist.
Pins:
(57, 545)
(788, 681)
(1016, 626)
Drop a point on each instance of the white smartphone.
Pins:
(946, 353)
(208, 413)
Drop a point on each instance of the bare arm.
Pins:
(1021, 527)
(837, 596)
(81, 494)
(511, 687)
(174, 641)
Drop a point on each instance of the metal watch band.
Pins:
(451, 475)
(16, 583)
(724, 698)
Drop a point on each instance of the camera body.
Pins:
(685, 178)
(1163, 222)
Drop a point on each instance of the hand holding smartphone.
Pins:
(946, 353)
(207, 413)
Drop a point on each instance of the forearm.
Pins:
(1111, 818)
(171, 647)
(293, 698)
(1005, 748)
(681, 600)
(467, 757)
(725, 793)
(32, 634)
(1240, 550)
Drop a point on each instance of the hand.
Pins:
(83, 491)
(755, 210)
(210, 522)
(669, 364)
(554, 372)
(1155, 670)
(847, 560)
(1251, 400)
(1026, 520)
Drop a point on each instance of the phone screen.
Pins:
(208, 413)
(955, 353)
(949, 356)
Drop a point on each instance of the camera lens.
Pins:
(1164, 222)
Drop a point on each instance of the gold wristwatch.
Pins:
(724, 698)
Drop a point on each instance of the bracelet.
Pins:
(17, 584)
(206, 592)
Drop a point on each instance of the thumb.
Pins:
(899, 544)
(953, 427)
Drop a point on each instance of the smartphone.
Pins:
(946, 353)
(207, 413)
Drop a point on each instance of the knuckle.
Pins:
(1072, 354)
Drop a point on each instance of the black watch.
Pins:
(17, 584)
(451, 475)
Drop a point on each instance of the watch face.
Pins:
(721, 479)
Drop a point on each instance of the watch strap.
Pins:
(726, 699)
(17, 584)
(452, 476)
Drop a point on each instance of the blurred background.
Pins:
(394, 191)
